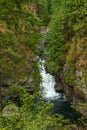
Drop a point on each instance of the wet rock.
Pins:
(69, 92)
(26, 82)
(78, 97)
(82, 108)
(59, 87)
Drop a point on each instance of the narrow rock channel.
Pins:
(48, 92)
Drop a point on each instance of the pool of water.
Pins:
(60, 104)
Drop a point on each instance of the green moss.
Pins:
(70, 75)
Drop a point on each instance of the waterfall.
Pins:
(48, 81)
(47, 84)
(60, 104)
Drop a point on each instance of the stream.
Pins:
(60, 104)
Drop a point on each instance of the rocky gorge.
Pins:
(75, 87)
(43, 54)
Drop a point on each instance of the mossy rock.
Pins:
(10, 110)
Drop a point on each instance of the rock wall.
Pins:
(74, 76)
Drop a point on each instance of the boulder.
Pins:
(10, 110)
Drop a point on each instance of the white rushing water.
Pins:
(47, 84)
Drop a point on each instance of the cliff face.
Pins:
(74, 77)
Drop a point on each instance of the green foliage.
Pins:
(13, 90)
(70, 72)
(44, 11)
(33, 114)
(68, 22)
(76, 17)
(55, 46)
(19, 36)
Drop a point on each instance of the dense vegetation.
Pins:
(66, 27)
(20, 25)
(66, 48)
(31, 115)
(18, 44)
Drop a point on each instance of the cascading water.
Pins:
(47, 84)
(48, 81)
(60, 103)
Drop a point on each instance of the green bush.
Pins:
(34, 114)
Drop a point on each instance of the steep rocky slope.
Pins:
(74, 75)
(66, 49)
